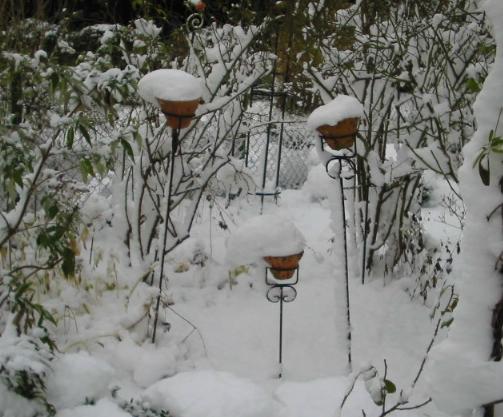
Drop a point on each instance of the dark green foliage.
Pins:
(24, 365)
(494, 146)
(389, 386)
(139, 409)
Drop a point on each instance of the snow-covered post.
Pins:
(178, 94)
(336, 123)
(278, 245)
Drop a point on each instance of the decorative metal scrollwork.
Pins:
(281, 292)
(337, 162)
(195, 21)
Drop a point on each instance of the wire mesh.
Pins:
(286, 159)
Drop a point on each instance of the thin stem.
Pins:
(174, 143)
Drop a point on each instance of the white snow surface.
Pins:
(103, 408)
(267, 235)
(340, 108)
(77, 377)
(220, 355)
(169, 84)
(210, 393)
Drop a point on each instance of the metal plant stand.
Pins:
(194, 22)
(279, 292)
(334, 167)
(167, 220)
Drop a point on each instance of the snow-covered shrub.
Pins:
(24, 366)
(382, 391)
(471, 355)
(75, 140)
(416, 73)
(142, 409)
(64, 120)
(150, 169)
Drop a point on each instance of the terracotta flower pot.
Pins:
(179, 113)
(342, 135)
(283, 267)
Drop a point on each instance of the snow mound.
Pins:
(169, 84)
(322, 398)
(146, 363)
(209, 394)
(77, 377)
(103, 408)
(318, 184)
(340, 108)
(260, 236)
(471, 385)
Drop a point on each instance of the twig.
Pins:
(352, 385)
(194, 328)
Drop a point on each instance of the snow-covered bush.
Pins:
(82, 156)
(471, 355)
(416, 72)
(60, 107)
(24, 366)
(157, 184)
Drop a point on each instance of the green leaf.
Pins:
(472, 85)
(43, 240)
(127, 147)
(389, 386)
(453, 305)
(86, 169)
(484, 172)
(482, 154)
(447, 323)
(54, 81)
(68, 265)
(70, 135)
(51, 211)
(84, 131)
(137, 138)
(17, 177)
(100, 167)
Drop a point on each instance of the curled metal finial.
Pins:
(285, 293)
(335, 167)
(195, 21)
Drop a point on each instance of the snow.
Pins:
(169, 84)
(12, 405)
(77, 377)
(151, 363)
(461, 374)
(147, 28)
(459, 386)
(216, 351)
(267, 235)
(103, 408)
(321, 398)
(331, 113)
(209, 393)
(228, 366)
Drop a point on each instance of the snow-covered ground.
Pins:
(218, 352)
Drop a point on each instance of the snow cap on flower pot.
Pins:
(337, 121)
(176, 92)
(269, 240)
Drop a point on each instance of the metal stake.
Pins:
(339, 159)
(174, 146)
(281, 293)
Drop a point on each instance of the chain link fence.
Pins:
(275, 150)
